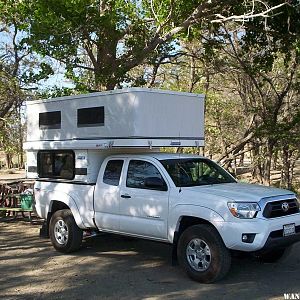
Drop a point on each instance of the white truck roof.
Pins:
(134, 117)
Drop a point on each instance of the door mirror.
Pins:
(155, 183)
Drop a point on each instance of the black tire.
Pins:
(219, 258)
(64, 233)
(273, 256)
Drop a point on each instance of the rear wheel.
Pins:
(64, 233)
(202, 254)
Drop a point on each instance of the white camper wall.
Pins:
(118, 113)
(31, 164)
(168, 115)
(81, 165)
(132, 118)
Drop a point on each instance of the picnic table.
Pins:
(14, 199)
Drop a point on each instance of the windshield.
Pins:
(195, 172)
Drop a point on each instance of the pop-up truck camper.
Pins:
(98, 168)
(95, 125)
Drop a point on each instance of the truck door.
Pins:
(107, 196)
(144, 200)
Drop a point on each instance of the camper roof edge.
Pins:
(118, 91)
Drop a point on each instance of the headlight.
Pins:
(243, 210)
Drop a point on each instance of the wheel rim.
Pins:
(198, 255)
(61, 232)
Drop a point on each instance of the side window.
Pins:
(112, 172)
(56, 164)
(90, 116)
(139, 172)
(50, 120)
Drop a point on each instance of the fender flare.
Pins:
(195, 211)
(68, 201)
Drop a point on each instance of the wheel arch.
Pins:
(183, 216)
(56, 205)
(65, 203)
(186, 221)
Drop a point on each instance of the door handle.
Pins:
(125, 196)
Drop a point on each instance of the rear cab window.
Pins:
(113, 171)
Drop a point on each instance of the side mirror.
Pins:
(155, 183)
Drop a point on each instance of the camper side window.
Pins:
(50, 120)
(90, 116)
(56, 164)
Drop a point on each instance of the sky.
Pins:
(56, 80)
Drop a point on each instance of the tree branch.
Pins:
(250, 15)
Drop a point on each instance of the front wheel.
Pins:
(64, 233)
(202, 253)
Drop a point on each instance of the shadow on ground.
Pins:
(113, 267)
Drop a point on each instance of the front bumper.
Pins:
(268, 233)
(277, 240)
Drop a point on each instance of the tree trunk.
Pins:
(9, 163)
(241, 161)
(268, 162)
(21, 150)
(256, 162)
(286, 167)
(192, 74)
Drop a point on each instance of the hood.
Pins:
(241, 191)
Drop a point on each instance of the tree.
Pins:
(108, 39)
(12, 134)
(250, 72)
(19, 70)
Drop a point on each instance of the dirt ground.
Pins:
(12, 174)
(112, 267)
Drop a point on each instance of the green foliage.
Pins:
(55, 92)
(10, 134)
(278, 34)
(90, 35)
(245, 67)
(40, 72)
(101, 42)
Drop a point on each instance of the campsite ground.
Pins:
(7, 175)
(113, 267)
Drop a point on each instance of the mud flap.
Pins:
(44, 232)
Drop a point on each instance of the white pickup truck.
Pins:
(184, 200)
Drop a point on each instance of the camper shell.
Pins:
(75, 128)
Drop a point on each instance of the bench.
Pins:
(17, 210)
(12, 199)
